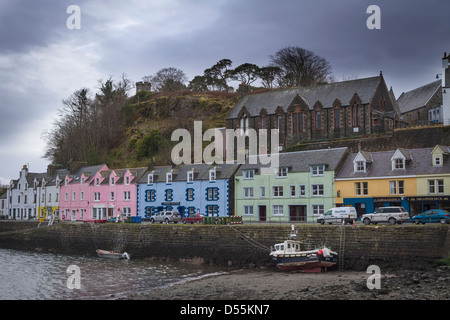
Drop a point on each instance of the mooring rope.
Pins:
(253, 242)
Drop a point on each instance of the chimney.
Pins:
(51, 170)
(243, 90)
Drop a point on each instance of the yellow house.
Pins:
(369, 180)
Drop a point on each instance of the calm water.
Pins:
(43, 276)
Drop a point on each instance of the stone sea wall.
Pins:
(405, 246)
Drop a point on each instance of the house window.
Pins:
(337, 118)
(277, 191)
(212, 175)
(169, 195)
(355, 115)
(97, 182)
(297, 122)
(127, 180)
(317, 170)
(360, 166)
(81, 195)
(150, 195)
(212, 211)
(244, 124)
(96, 196)
(169, 177)
(262, 122)
(150, 178)
(317, 209)
(126, 211)
(317, 190)
(111, 196)
(190, 176)
(189, 194)
(280, 124)
(248, 174)
(398, 164)
(262, 192)
(292, 191)
(126, 195)
(302, 190)
(112, 181)
(436, 186)
(318, 117)
(277, 210)
(361, 188)
(248, 210)
(248, 192)
(282, 172)
(212, 194)
(73, 196)
(437, 161)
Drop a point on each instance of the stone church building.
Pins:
(328, 111)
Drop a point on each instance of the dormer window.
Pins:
(150, 178)
(169, 177)
(212, 175)
(437, 161)
(360, 166)
(190, 176)
(398, 164)
(282, 172)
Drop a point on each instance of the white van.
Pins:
(339, 215)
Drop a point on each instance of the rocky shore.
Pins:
(266, 284)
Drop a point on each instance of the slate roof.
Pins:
(326, 94)
(301, 161)
(418, 97)
(419, 162)
(179, 173)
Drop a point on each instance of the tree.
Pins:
(247, 73)
(300, 67)
(268, 75)
(168, 80)
(217, 76)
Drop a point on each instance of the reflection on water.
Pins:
(29, 276)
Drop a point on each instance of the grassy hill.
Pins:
(152, 117)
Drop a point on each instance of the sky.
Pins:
(44, 59)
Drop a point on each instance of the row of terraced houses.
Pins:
(304, 185)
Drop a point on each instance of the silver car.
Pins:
(166, 217)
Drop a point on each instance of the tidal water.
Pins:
(44, 276)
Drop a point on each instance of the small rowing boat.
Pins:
(112, 254)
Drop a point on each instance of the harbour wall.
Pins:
(403, 246)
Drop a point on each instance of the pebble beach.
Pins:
(249, 284)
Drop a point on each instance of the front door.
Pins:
(262, 213)
(297, 213)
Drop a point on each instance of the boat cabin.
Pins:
(288, 246)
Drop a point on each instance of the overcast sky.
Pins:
(42, 61)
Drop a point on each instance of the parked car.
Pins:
(433, 215)
(193, 218)
(392, 215)
(339, 215)
(166, 217)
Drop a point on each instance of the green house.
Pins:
(297, 189)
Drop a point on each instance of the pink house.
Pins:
(97, 193)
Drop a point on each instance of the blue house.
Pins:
(196, 188)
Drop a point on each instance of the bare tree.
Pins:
(168, 79)
(300, 67)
